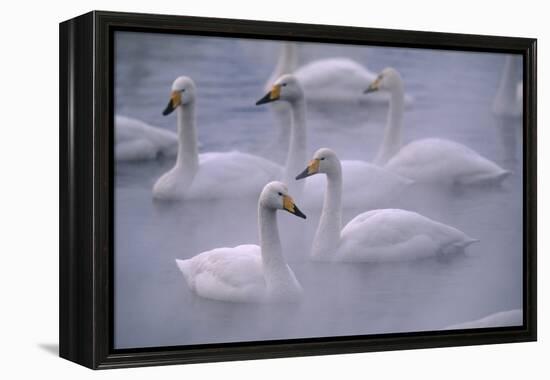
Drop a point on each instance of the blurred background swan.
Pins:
(376, 235)
(249, 273)
(428, 160)
(209, 175)
(328, 80)
(507, 108)
(365, 184)
(500, 319)
(136, 140)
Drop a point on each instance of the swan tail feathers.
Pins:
(184, 267)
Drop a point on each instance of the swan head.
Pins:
(183, 92)
(388, 80)
(287, 88)
(275, 196)
(324, 160)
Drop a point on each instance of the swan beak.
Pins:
(288, 204)
(374, 86)
(271, 96)
(312, 168)
(175, 100)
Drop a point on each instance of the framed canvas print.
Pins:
(237, 189)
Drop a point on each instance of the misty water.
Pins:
(452, 94)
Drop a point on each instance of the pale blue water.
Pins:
(453, 93)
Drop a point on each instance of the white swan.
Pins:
(432, 160)
(249, 273)
(138, 141)
(508, 100)
(500, 319)
(334, 80)
(376, 235)
(382, 185)
(208, 175)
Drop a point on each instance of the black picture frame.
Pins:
(86, 189)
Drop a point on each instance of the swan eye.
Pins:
(281, 194)
(322, 158)
(183, 90)
(284, 84)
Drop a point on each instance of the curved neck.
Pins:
(296, 157)
(327, 237)
(276, 271)
(391, 142)
(188, 155)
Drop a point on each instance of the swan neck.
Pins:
(297, 151)
(286, 63)
(275, 268)
(188, 155)
(391, 141)
(327, 237)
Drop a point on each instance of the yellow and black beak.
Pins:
(374, 86)
(175, 100)
(288, 205)
(271, 96)
(312, 168)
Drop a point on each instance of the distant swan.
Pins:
(500, 319)
(138, 141)
(382, 185)
(208, 175)
(376, 235)
(336, 79)
(508, 100)
(249, 273)
(431, 160)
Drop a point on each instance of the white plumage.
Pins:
(248, 273)
(138, 141)
(500, 319)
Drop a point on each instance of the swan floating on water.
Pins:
(209, 175)
(500, 319)
(376, 235)
(249, 273)
(366, 184)
(508, 101)
(139, 141)
(336, 79)
(432, 160)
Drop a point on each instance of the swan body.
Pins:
(376, 235)
(248, 273)
(508, 101)
(334, 80)
(365, 184)
(500, 319)
(138, 141)
(431, 160)
(209, 175)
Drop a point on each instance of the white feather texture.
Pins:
(376, 235)
(138, 141)
(500, 319)
(209, 175)
(365, 184)
(430, 160)
(508, 101)
(247, 273)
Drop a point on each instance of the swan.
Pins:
(376, 235)
(383, 185)
(500, 319)
(249, 273)
(336, 79)
(508, 101)
(432, 160)
(208, 175)
(137, 141)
